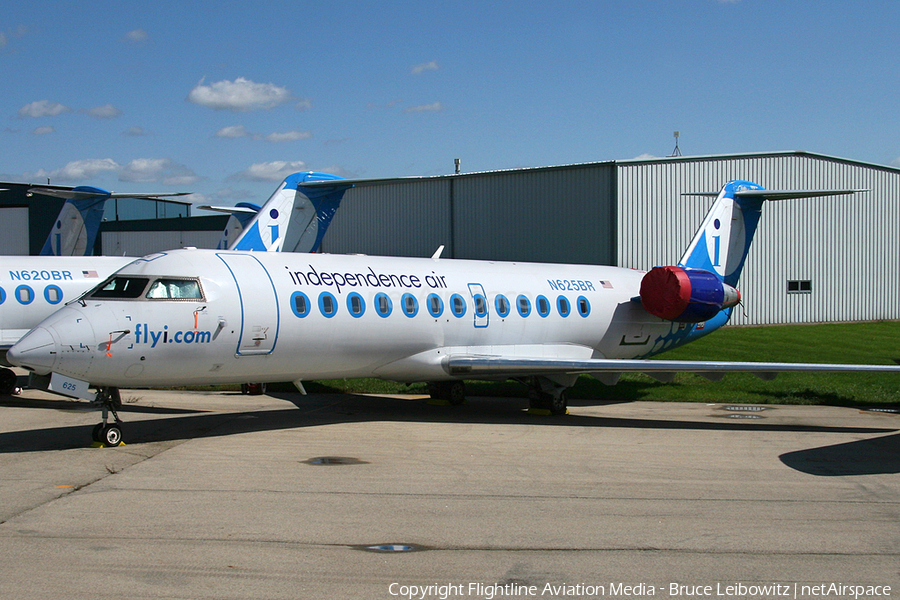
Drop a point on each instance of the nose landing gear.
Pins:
(106, 433)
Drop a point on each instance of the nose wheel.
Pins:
(106, 433)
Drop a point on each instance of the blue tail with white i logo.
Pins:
(75, 229)
(701, 288)
(297, 215)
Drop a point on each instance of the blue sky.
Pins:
(225, 98)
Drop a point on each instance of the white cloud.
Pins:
(107, 111)
(240, 95)
(44, 130)
(43, 108)
(134, 132)
(234, 131)
(136, 35)
(288, 136)
(162, 170)
(645, 156)
(303, 104)
(434, 107)
(79, 170)
(429, 66)
(272, 171)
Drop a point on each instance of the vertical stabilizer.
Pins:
(721, 244)
(75, 229)
(296, 217)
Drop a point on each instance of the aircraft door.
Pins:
(481, 304)
(259, 306)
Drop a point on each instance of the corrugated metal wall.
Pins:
(847, 246)
(557, 214)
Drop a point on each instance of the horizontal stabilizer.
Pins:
(69, 194)
(229, 209)
(781, 194)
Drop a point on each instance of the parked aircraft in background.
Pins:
(76, 227)
(296, 216)
(192, 317)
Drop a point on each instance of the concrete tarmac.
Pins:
(220, 496)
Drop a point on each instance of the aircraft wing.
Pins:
(497, 366)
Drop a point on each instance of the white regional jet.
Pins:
(32, 287)
(191, 317)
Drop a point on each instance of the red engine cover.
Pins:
(686, 296)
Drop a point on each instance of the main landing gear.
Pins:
(546, 396)
(106, 433)
(452, 392)
(8, 381)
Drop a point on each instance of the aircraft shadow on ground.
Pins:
(872, 456)
(876, 455)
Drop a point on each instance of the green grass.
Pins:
(861, 343)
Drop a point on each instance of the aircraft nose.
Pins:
(37, 351)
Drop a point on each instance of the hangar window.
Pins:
(121, 288)
(799, 286)
(175, 289)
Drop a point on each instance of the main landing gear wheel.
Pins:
(544, 396)
(254, 389)
(106, 433)
(8, 381)
(453, 392)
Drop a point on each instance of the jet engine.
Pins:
(685, 295)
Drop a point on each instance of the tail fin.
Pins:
(76, 227)
(296, 217)
(721, 244)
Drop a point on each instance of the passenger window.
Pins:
(435, 305)
(523, 305)
(410, 305)
(175, 289)
(457, 305)
(300, 304)
(480, 305)
(53, 294)
(584, 306)
(383, 305)
(122, 288)
(356, 305)
(562, 305)
(327, 304)
(543, 306)
(502, 305)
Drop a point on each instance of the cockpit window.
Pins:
(175, 289)
(121, 287)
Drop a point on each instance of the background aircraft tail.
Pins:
(296, 217)
(76, 227)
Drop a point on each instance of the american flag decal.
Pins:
(606, 284)
(90, 274)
